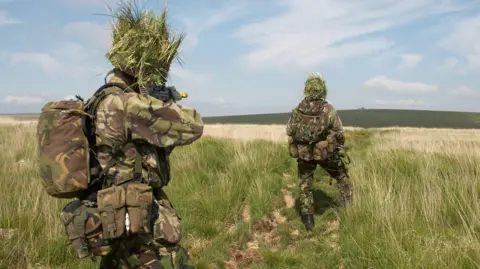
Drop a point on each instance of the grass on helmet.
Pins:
(143, 44)
(315, 86)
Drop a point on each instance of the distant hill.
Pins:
(372, 118)
(366, 118)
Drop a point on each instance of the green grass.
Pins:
(410, 210)
(364, 118)
(372, 118)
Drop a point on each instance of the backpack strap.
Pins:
(88, 127)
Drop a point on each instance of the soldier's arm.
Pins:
(162, 124)
(289, 128)
(335, 124)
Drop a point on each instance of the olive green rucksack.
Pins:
(66, 141)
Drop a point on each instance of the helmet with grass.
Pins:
(315, 87)
(143, 45)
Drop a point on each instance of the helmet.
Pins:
(315, 87)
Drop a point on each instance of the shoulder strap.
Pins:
(88, 125)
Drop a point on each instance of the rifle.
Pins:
(165, 93)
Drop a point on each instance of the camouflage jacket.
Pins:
(125, 116)
(314, 107)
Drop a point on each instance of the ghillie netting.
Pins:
(143, 44)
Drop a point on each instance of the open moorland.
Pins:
(416, 194)
(364, 118)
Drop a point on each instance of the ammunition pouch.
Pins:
(166, 229)
(115, 202)
(83, 229)
(111, 206)
(139, 199)
(321, 151)
(292, 148)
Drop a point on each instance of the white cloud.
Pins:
(23, 100)
(410, 60)
(189, 79)
(5, 18)
(465, 41)
(301, 37)
(211, 19)
(408, 102)
(43, 60)
(464, 91)
(93, 35)
(399, 87)
(65, 59)
(449, 64)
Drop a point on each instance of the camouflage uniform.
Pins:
(156, 127)
(311, 151)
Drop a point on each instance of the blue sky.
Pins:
(246, 56)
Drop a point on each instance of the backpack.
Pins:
(308, 123)
(66, 144)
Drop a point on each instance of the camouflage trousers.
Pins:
(334, 167)
(146, 251)
(124, 256)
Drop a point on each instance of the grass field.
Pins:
(364, 118)
(372, 118)
(416, 194)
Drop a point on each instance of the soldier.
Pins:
(315, 137)
(123, 214)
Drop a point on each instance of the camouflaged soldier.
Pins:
(316, 137)
(112, 152)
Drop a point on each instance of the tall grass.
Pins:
(416, 196)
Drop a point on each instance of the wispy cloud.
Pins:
(65, 59)
(90, 34)
(407, 102)
(464, 41)
(5, 18)
(23, 100)
(464, 91)
(301, 38)
(42, 60)
(409, 61)
(449, 64)
(200, 24)
(399, 87)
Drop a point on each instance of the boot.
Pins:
(308, 221)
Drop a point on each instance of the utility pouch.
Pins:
(139, 199)
(166, 229)
(74, 216)
(292, 147)
(305, 152)
(320, 151)
(111, 206)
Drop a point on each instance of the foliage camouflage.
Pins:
(143, 44)
(315, 87)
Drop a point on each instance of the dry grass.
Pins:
(12, 121)
(416, 194)
(249, 132)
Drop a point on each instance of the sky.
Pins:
(250, 57)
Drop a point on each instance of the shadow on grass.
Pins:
(321, 200)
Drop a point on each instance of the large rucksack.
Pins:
(308, 131)
(66, 141)
(309, 121)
